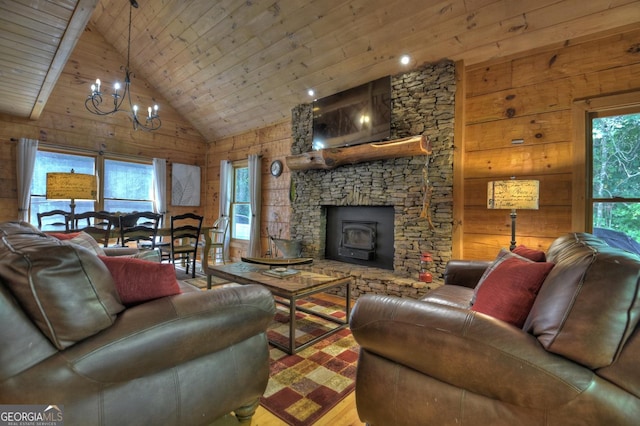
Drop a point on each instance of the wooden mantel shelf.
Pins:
(333, 157)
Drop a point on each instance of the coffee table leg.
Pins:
(292, 325)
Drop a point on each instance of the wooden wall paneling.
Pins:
(489, 78)
(546, 222)
(520, 161)
(520, 101)
(610, 81)
(486, 247)
(535, 129)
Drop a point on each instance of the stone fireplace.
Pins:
(423, 104)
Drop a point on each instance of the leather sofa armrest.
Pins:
(465, 273)
(466, 349)
(171, 330)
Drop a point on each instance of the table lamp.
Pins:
(513, 194)
(71, 186)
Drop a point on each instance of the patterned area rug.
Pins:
(305, 386)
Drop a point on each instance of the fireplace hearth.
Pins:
(361, 235)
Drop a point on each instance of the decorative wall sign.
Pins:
(185, 185)
(513, 194)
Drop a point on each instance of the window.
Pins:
(614, 185)
(127, 186)
(240, 207)
(47, 162)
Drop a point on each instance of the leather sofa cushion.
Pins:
(65, 289)
(139, 280)
(588, 306)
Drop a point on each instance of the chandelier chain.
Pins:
(93, 103)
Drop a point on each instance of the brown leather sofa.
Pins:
(185, 359)
(576, 361)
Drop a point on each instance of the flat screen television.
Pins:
(358, 115)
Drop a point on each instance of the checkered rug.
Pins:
(305, 386)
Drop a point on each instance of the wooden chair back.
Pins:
(185, 239)
(60, 221)
(139, 227)
(96, 224)
(214, 240)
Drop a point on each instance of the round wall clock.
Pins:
(276, 168)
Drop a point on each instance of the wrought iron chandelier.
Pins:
(94, 100)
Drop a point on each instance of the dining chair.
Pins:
(214, 240)
(184, 242)
(139, 227)
(96, 224)
(59, 223)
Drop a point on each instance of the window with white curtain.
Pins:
(124, 186)
(240, 202)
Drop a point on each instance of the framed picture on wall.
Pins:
(185, 185)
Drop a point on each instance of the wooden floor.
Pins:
(343, 414)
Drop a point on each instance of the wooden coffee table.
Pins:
(291, 288)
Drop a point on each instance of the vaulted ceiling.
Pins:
(229, 66)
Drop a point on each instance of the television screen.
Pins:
(354, 116)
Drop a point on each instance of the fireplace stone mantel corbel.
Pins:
(331, 158)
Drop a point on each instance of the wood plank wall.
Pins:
(272, 142)
(65, 123)
(531, 97)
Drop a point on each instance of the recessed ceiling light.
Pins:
(311, 92)
(405, 59)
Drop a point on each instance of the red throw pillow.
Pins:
(509, 291)
(62, 235)
(531, 254)
(139, 280)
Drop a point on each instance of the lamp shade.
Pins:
(513, 194)
(71, 186)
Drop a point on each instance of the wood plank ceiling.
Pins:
(229, 66)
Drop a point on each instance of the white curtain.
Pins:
(26, 160)
(226, 178)
(160, 187)
(255, 198)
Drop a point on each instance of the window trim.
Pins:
(582, 110)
